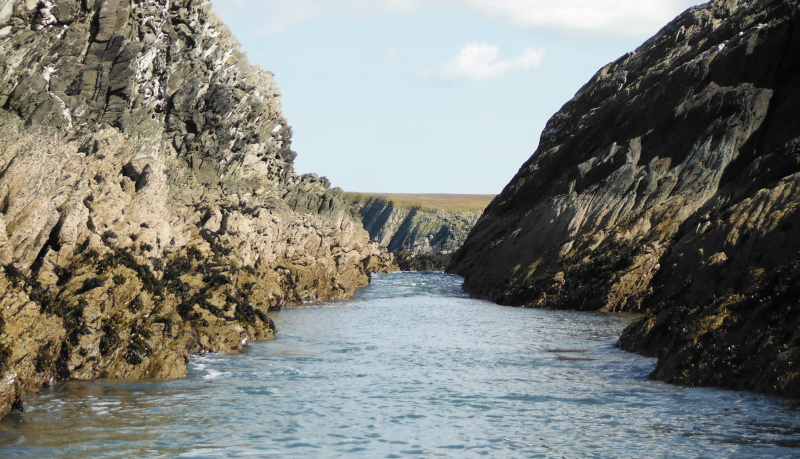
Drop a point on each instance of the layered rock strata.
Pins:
(669, 186)
(420, 239)
(148, 204)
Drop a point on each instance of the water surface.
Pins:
(410, 368)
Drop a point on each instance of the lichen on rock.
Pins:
(149, 208)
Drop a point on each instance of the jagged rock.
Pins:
(422, 239)
(149, 208)
(410, 261)
(668, 185)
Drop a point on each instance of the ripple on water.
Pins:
(410, 368)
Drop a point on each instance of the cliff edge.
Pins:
(669, 186)
(148, 204)
(422, 231)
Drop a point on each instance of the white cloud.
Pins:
(603, 17)
(597, 17)
(481, 61)
(394, 54)
(283, 14)
(607, 17)
(278, 15)
(384, 6)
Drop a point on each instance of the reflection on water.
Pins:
(410, 368)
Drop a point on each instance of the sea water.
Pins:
(410, 368)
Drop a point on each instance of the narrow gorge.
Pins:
(149, 208)
(422, 232)
(669, 186)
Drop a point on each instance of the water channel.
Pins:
(410, 368)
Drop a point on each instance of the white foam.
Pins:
(214, 374)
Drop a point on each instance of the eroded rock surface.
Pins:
(669, 185)
(148, 204)
(420, 239)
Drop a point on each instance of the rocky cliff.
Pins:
(420, 238)
(148, 204)
(669, 185)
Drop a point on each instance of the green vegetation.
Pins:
(443, 202)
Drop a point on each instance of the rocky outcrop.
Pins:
(421, 239)
(148, 204)
(669, 186)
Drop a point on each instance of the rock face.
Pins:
(669, 185)
(148, 204)
(420, 239)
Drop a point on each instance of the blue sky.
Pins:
(431, 96)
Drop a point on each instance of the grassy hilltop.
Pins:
(444, 202)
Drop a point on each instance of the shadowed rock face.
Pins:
(148, 204)
(669, 185)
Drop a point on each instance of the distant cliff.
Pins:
(670, 185)
(422, 231)
(148, 204)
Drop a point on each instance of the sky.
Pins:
(431, 96)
